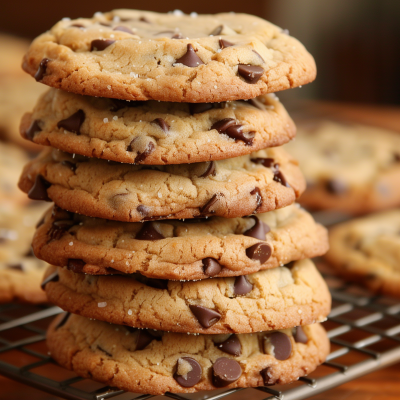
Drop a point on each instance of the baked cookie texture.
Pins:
(138, 361)
(367, 250)
(154, 132)
(259, 182)
(176, 250)
(20, 271)
(138, 55)
(278, 298)
(354, 168)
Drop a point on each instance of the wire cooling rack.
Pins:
(364, 332)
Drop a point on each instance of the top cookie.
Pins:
(139, 55)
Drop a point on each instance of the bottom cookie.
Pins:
(155, 362)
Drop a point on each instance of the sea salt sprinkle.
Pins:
(102, 304)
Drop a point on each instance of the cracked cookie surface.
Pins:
(367, 250)
(354, 168)
(191, 250)
(20, 271)
(116, 356)
(277, 298)
(138, 55)
(259, 182)
(166, 133)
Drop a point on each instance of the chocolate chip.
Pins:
(282, 346)
(266, 162)
(40, 73)
(336, 186)
(177, 36)
(104, 351)
(256, 191)
(222, 125)
(77, 26)
(224, 43)
(157, 283)
(39, 189)
(142, 156)
(16, 267)
(299, 335)
(101, 44)
(192, 377)
(162, 124)
(251, 73)
(242, 286)
(205, 316)
(63, 320)
(259, 252)
(73, 123)
(266, 378)
(59, 228)
(75, 265)
(51, 278)
(144, 211)
(231, 346)
(144, 19)
(259, 56)
(279, 177)
(217, 30)
(236, 132)
(59, 214)
(148, 232)
(197, 108)
(190, 59)
(210, 170)
(144, 339)
(211, 267)
(270, 163)
(206, 210)
(124, 29)
(32, 130)
(226, 371)
(258, 230)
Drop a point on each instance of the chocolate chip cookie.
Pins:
(138, 55)
(353, 168)
(20, 271)
(367, 250)
(277, 298)
(156, 362)
(156, 132)
(175, 250)
(259, 182)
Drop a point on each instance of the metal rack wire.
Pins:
(364, 333)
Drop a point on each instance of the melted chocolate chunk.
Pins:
(231, 346)
(162, 124)
(144, 339)
(250, 73)
(224, 43)
(336, 186)
(222, 125)
(270, 163)
(40, 73)
(259, 252)
(217, 30)
(205, 316)
(39, 189)
(76, 265)
(206, 210)
(157, 283)
(236, 132)
(225, 371)
(210, 170)
(148, 232)
(63, 320)
(124, 29)
(266, 378)
(192, 377)
(299, 335)
(282, 345)
(100, 44)
(73, 123)
(16, 267)
(256, 191)
(51, 278)
(32, 130)
(59, 229)
(197, 108)
(59, 214)
(211, 266)
(242, 286)
(258, 230)
(279, 177)
(77, 26)
(142, 156)
(120, 104)
(190, 59)
(69, 164)
(144, 211)
(144, 19)
(266, 162)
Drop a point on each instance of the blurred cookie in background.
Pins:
(350, 168)
(18, 91)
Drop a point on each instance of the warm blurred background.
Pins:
(356, 43)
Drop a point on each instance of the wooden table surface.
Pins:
(383, 384)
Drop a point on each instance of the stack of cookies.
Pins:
(175, 240)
